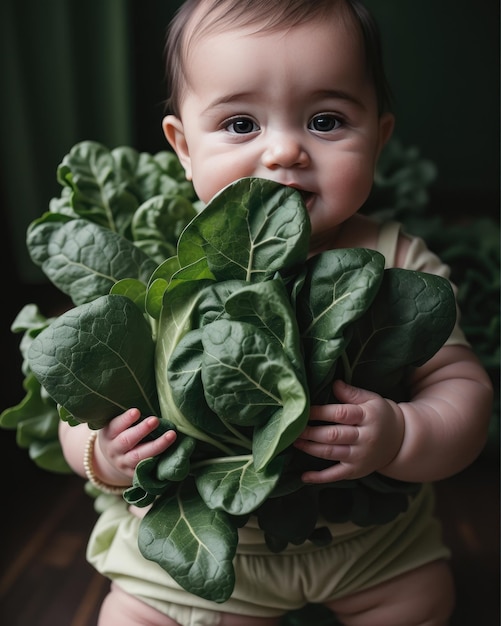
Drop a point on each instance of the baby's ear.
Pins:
(174, 133)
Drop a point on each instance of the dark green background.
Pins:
(94, 70)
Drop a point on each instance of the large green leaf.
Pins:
(175, 322)
(174, 464)
(214, 299)
(240, 371)
(100, 193)
(84, 260)
(36, 421)
(96, 360)
(410, 319)
(233, 484)
(338, 288)
(249, 381)
(249, 231)
(267, 307)
(162, 218)
(192, 542)
(184, 374)
(153, 174)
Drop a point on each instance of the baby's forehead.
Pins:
(212, 17)
(199, 20)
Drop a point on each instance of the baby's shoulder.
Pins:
(362, 231)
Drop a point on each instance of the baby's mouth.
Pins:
(307, 197)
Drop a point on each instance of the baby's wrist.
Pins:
(93, 467)
(397, 439)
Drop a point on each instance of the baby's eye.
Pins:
(241, 126)
(324, 123)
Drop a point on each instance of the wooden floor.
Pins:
(45, 580)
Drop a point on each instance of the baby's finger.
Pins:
(334, 434)
(155, 446)
(324, 451)
(351, 395)
(134, 435)
(335, 472)
(351, 414)
(122, 422)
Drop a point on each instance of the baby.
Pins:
(294, 91)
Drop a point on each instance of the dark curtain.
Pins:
(73, 70)
(65, 77)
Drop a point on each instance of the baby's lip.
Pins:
(306, 195)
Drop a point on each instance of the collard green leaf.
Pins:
(249, 231)
(192, 542)
(157, 250)
(137, 496)
(133, 289)
(410, 319)
(162, 218)
(174, 323)
(339, 287)
(100, 193)
(249, 381)
(145, 476)
(48, 456)
(158, 284)
(36, 421)
(174, 464)
(96, 360)
(240, 372)
(198, 270)
(29, 318)
(233, 484)
(159, 174)
(84, 260)
(267, 307)
(213, 301)
(184, 374)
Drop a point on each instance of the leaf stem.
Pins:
(239, 438)
(220, 460)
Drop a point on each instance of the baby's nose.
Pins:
(284, 151)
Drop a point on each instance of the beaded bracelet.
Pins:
(89, 469)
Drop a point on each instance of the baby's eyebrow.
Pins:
(338, 94)
(229, 98)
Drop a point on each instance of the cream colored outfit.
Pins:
(269, 584)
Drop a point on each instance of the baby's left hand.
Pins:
(362, 435)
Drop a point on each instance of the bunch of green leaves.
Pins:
(229, 341)
(119, 214)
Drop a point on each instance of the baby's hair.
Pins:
(266, 15)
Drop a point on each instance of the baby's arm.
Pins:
(118, 449)
(447, 421)
(440, 431)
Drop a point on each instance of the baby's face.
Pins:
(296, 107)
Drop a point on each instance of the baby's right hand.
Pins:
(120, 446)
